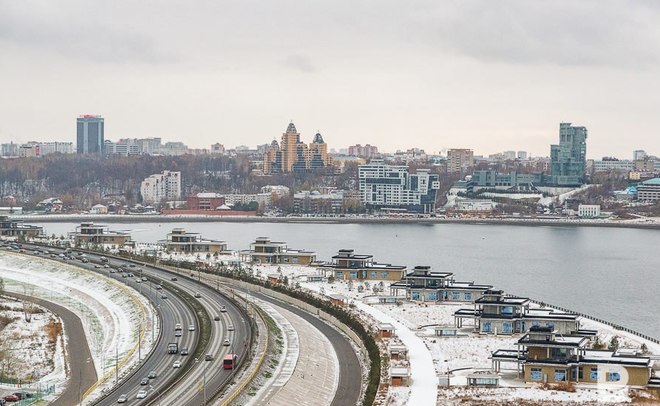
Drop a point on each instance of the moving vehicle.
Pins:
(177, 364)
(216, 318)
(184, 351)
(226, 343)
(230, 361)
(178, 333)
(191, 327)
(152, 375)
(141, 394)
(144, 381)
(173, 279)
(198, 295)
(208, 357)
(177, 326)
(172, 348)
(122, 399)
(103, 259)
(230, 327)
(223, 309)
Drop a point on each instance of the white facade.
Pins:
(277, 190)
(391, 185)
(606, 166)
(589, 210)
(161, 186)
(263, 199)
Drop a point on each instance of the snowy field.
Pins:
(31, 350)
(109, 310)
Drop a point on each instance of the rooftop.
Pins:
(653, 182)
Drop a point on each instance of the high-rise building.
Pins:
(569, 158)
(639, 154)
(161, 186)
(291, 155)
(90, 134)
(459, 160)
(392, 186)
(522, 155)
(367, 151)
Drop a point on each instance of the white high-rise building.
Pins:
(161, 186)
(392, 186)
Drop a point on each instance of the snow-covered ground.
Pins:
(30, 348)
(109, 310)
(431, 356)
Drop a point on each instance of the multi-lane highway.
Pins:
(198, 379)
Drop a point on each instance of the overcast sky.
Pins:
(487, 75)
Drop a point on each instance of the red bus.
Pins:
(230, 361)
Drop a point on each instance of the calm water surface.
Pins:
(609, 273)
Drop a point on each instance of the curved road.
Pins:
(82, 373)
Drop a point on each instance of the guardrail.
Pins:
(252, 374)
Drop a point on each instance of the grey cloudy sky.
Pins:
(488, 75)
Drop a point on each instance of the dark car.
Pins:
(173, 278)
(11, 398)
(144, 381)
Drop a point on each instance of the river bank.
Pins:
(112, 218)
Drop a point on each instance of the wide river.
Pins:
(609, 273)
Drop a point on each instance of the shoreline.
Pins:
(530, 222)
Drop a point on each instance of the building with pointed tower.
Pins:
(292, 155)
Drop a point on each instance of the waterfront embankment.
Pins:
(526, 221)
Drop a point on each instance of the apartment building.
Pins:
(386, 186)
(161, 186)
(459, 160)
(292, 155)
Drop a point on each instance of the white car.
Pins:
(141, 394)
(230, 327)
(223, 309)
(177, 364)
(191, 327)
(226, 343)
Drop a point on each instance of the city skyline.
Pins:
(433, 76)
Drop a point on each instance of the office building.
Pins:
(649, 190)
(90, 134)
(393, 187)
(161, 186)
(569, 157)
(459, 160)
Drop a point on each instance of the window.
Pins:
(536, 375)
(467, 296)
(455, 296)
(507, 310)
(414, 295)
(485, 327)
(560, 375)
(353, 275)
(613, 376)
(383, 275)
(296, 260)
(550, 324)
(433, 295)
(507, 327)
(339, 275)
(593, 374)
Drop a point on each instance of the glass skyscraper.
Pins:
(569, 158)
(90, 135)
